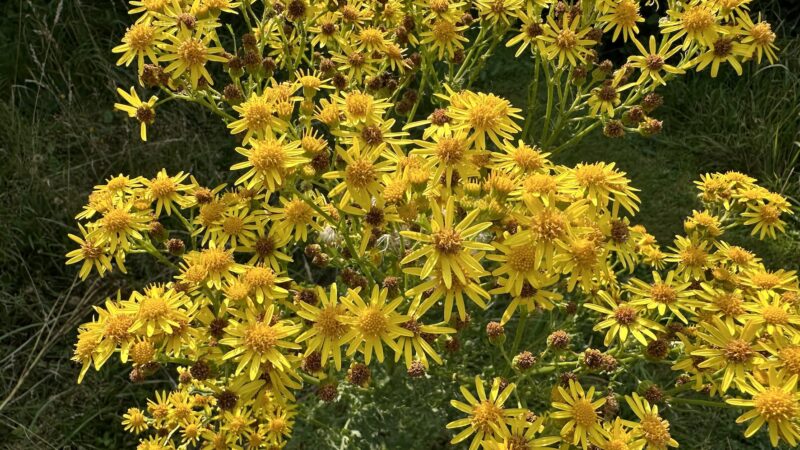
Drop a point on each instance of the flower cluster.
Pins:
(346, 239)
(406, 51)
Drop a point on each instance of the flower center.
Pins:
(548, 225)
(140, 36)
(116, 327)
(698, 19)
(765, 280)
(116, 220)
(372, 322)
(663, 293)
(655, 430)
(162, 187)
(360, 173)
(723, 47)
(584, 252)
(298, 212)
(259, 277)
(775, 315)
(232, 225)
(775, 404)
(450, 150)
(257, 113)
(358, 105)
(192, 52)
(260, 337)
(762, 33)
(626, 13)
(522, 258)
(566, 39)
(216, 260)
(153, 308)
(729, 304)
(738, 351)
(625, 315)
(591, 175)
(654, 62)
(584, 413)
(267, 155)
(485, 115)
(486, 414)
(90, 251)
(790, 356)
(328, 322)
(447, 241)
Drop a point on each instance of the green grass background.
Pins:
(59, 137)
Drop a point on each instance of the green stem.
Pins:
(700, 402)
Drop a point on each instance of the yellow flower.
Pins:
(423, 336)
(166, 190)
(775, 403)
(257, 118)
(522, 436)
(601, 183)
(732, 353)
(141, 40)
(531, 30)
(697, 20)
(211, 266)
(278, 424)
(497, 12)
(520, 264)
(448, 154)
(373, 324)
(583, 259)
(617, 436)
(134, 420)
(359, 107)
(293, 217)
(758, 38)
(623, 319)
(692, 257)
(93, 253)
(723, 49)
(653, 60)
(622, 17)
(143, 112)
(189, 53)
(578, 406)
(654, 430)
(767, 218)
(482, 116)
(664, 294)
(565, 42)
(448, 246)
(453, 295)
(771, 314)
(269, 162)
(444, 37)
(327, 330)
(159, 310)
(360, 177)
(263, 283)
(521, 159)
(258, 342)
(238, 225)
(487, 416)
(721, 303)
(118, 227)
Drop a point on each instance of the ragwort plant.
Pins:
(359, 232)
